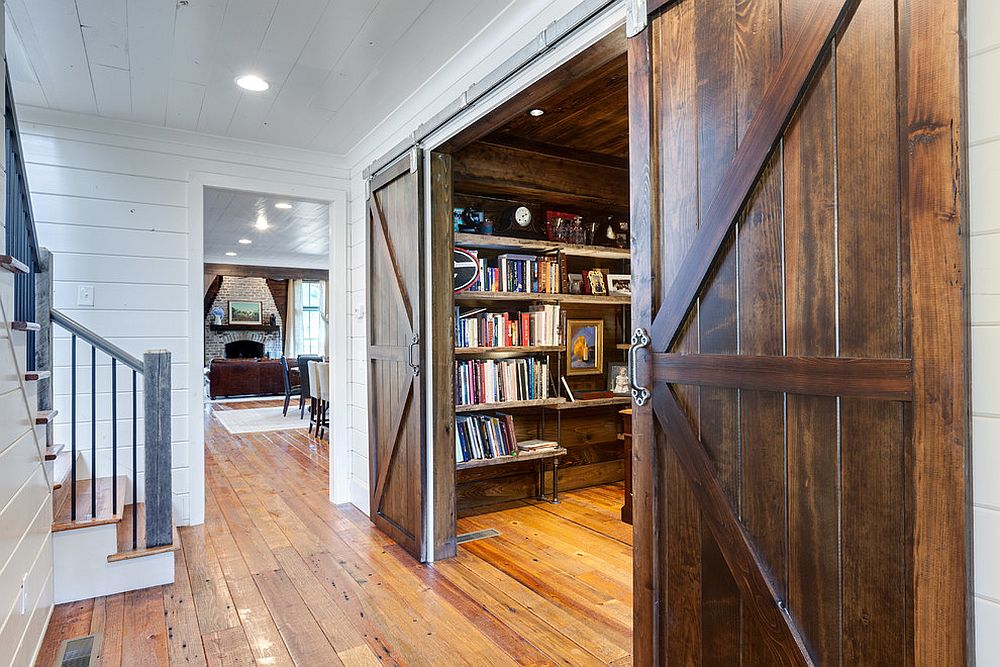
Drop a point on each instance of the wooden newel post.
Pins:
(43, 337)
(156, 394)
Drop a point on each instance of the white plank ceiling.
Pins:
(335, 67)
(295, 237)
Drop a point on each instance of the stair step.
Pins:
(106, 514)
(21, 325)
(45, 416)
(125, 550)
(61, 469)
(35, 376)
(51, 453)
(13, 264)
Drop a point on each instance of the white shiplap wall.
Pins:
(111, 202)
(984, 167)
(25, 498)
(483, 52)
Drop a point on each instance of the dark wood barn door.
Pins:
(799, 265)
(396, 433)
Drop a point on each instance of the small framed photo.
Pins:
(618, 378)
(584, 347)
(596, 279)
(619, 283)
(575, 281)
(246, 312)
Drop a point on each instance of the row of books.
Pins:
(539, 325)
(518, 273)
(490, 437)
(480, 381)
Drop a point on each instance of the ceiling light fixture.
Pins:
(536, 112)
(261, 223)
(245, 241)
(253, 83)
(230, 254)
(283, 205)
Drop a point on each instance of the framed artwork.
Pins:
(246, 312)
(619, 283)
(575, 281)
(618, 378)
(596, 280)
(584, 347)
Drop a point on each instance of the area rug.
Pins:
(257, 420)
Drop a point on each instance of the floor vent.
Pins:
(79, 652)
(477, 535)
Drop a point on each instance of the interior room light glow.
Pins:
(253, 83)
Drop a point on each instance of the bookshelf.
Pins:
(504, 460)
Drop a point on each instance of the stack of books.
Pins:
(539, 325)
(484, 437)
(480, 381)
(518, 273)
(532, 446)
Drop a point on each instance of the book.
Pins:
(479, 381)
(537, 445)
(484, 437)
(537, 326)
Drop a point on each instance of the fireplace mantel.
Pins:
(266, 328)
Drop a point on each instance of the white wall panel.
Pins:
(112, 204)
(984, 198)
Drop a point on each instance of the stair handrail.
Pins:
(95, 339)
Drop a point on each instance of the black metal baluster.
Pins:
(93, 433)
(114, 433)
(72, 437)
(135, 469)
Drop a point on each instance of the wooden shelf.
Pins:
(592, 403)
(490, 242)
(266, 328)
(509, 405)
(518, 458)
(506, 351)
(596, 300)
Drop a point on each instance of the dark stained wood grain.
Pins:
(934, 154)
(212, 292)
(883, 379)
(274, 272)
(647, 592)
(760, 591)
(798, 66)
(811, 325)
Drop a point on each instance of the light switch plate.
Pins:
(85, 295)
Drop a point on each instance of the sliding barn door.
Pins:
(396, 433)
(799, 270)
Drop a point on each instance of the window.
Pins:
(312, 320)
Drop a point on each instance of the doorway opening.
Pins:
(266, 310)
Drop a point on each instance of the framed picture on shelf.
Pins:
(619, 283)
(595, 278)
(246, 312)
(618, 378)
(575, 283)
(584, 347)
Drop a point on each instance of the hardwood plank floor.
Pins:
(279, 576)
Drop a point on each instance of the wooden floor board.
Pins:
(279, 576)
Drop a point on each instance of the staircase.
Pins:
(109, 533)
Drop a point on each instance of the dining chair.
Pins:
(323, 380)
(306, 393)
(290, 389)
(315, 404)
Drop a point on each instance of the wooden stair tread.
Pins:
(125, 550)
(53, 451)
(105, 513)
(13, 264)
(22, 325)
(45, 416)
(35, 376)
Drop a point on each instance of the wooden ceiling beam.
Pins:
(272, 272)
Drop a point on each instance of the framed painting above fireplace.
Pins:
(246, 312)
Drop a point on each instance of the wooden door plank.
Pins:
(879, 379)
(811, 330)
(759, 592)
(375, 210)
(935, 153)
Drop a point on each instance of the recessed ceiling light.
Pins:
(261, 222)
(230, 254)
(283, 205)
(536, 112)
(253, 83)
(245, 241)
